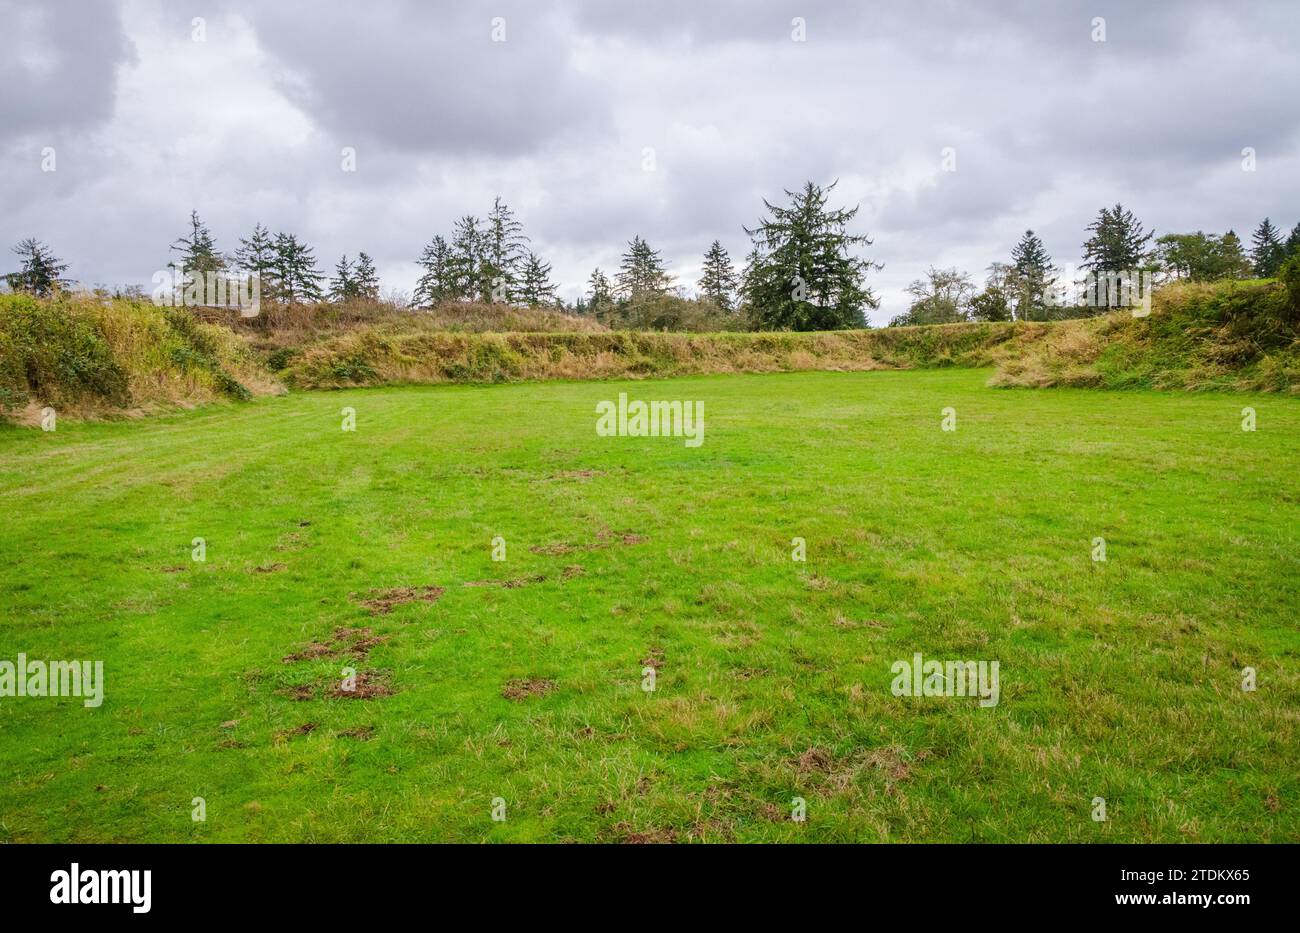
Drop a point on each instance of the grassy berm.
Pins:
(91, 358)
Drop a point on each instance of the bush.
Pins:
(52, 352)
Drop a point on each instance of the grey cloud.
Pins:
(60, 64)
(1048, 125)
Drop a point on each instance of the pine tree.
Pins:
(438, 284)
(467, 249)
(600, 294)
(803, 273)
(503, 252)
(1231, 257)
(1118, 243)
(641, 271)
(1035, 275)
(198, 250)
(343, 286)
(40, 272)
(535, 286)
(255, 257)
(1292, 245)
(367, 278)
(1267, 251)
(718, 282)
(296, 276)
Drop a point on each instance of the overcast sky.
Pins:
(672, 120)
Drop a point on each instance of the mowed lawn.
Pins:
(1120, 680)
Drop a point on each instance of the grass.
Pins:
(1118, 679)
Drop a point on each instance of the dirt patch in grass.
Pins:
(571, 571)
(307, 728)
(894, 763)
(642, 837)
(369, 684)
(523, 688)
(178, 568)
(604, 538)
(554, 550)
(578, 474)
(268, 568)
(360, 733)
(353, 642)
(366, 685)
(654, 658)
(512, 584)
(382, 602)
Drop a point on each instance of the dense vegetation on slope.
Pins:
(1227, 335)
(89, 356)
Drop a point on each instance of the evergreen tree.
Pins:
(1231, 259)
(641, 271)
(1267, 251)
(198, 255)
(803, 273)
(718, 282)
(503, 252)
(1292, 245)
(1036, 276)
(599, 295)
(40, 272)
(1118, 243)
(467, 250)
(296, 276)
(367, 278)
(344, 285)
(438, 284)
(255, 257)
(535, 286)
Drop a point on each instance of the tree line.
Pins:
(804, 271)
(1025, 288)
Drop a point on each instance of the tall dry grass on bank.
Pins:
(369, 357)
(88, 357)
(1236, 336)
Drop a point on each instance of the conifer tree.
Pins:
(804, 273)
(367, 278)
(438, 283)
(40, 272)
(600, 294)
(718, 281)
(1292, 245)
(198, 255)
(503, 252)
(535, 286)
(641, 271)
(467, 250)
(297, 279)
(1266, 251)
(1118, 243)
(1035, 276)
(255, 257)
(344, 285)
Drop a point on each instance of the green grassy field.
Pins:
(1119, 680)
